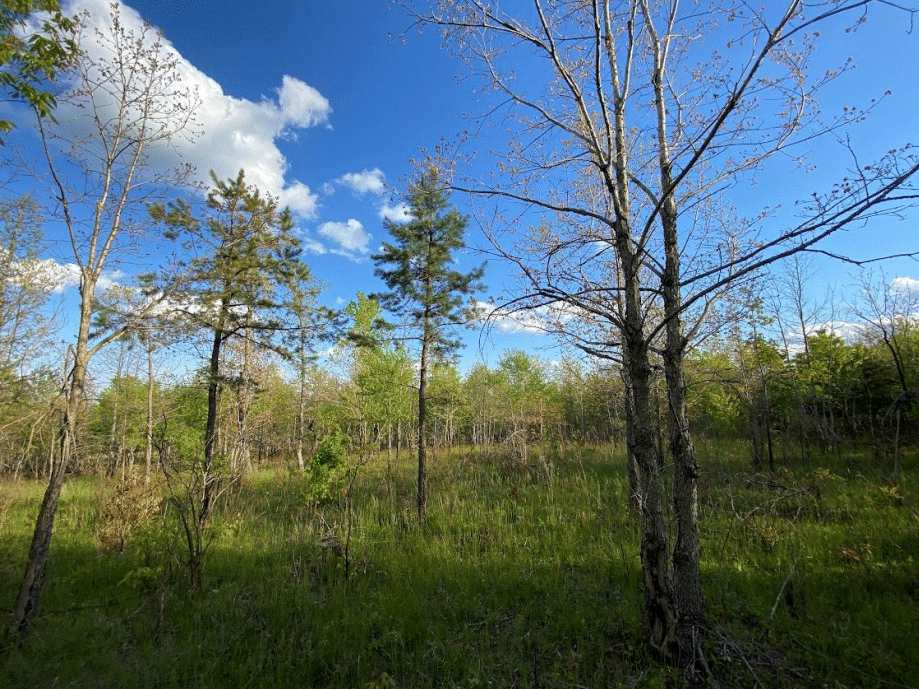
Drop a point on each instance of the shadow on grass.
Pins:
(518, 579)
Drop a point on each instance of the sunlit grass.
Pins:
(521, 576)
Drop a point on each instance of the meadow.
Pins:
(523, 575)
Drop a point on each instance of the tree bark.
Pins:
(659, 605)
(29, 598)
(210, 432)
(148, 447)
(688, 594)
(422, 419)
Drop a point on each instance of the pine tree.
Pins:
(425, 290)
(245, 254)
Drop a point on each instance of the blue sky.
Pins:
(389, 94)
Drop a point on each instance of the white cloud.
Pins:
(365, 182)
(350, 236)
(56, 277)
(849, 331)
(235, 132)
(110, 279)
(314, 246)
(301, 104)
(541, 320)
(397, 213)
(905, 284)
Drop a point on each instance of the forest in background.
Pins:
(787, 406)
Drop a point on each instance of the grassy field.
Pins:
(521, 577)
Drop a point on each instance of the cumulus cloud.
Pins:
(349, 237)
(365, 182)
(55, 276)
(905, 284)
(301, 104)
(849, 331)
(397, 213)
(235, 132)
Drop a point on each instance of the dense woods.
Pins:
(704, 477)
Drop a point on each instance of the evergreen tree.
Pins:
(425, 289)
(245, 252)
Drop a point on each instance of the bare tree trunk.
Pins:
(114, 444)
(29, 598)
(896, 446)
(210, 432)
(767, 418)
(659, 605)
(148, 446)
(635, 499)
(422, 419)
(301, 421)
(688, 594)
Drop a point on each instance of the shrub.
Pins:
(328, 468)
(124, 508)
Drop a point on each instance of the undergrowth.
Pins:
(523, 575)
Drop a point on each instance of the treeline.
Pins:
(826, 397)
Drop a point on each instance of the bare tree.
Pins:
(126, 100)
(629, 136)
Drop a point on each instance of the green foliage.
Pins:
(29, 60)
(183, 425)
(331, 452)
(831, 390)
(384, 379)
(122, 407)
(511, 580)
(244, 253)
(328, 469)
(367, 326)
(27, 381)
(417, 265)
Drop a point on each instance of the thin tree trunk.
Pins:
(896, 447)
(301, 420)
(210, 432)
(114, 445)
(688, 593)
(635, 500)
(422, 419)
(148, 445)
(689, 598)
(29, 598)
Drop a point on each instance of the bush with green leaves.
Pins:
(328, 469)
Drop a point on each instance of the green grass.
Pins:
(519, 578)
